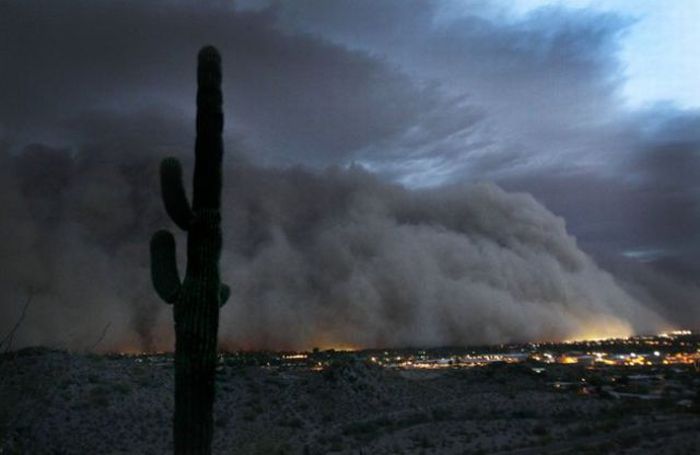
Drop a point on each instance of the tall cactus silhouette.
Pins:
(196, 300)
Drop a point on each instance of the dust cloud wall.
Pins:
(333, 258)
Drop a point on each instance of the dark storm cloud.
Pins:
(405, 88)
(546, 84)
(547, 88)
(422, 93)
(293, 98)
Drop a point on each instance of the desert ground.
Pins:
(55, 402)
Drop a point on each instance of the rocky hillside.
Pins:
(54, 402)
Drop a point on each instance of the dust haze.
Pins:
(333, 258)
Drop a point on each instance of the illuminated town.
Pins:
(680, 347)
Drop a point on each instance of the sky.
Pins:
(656, 51)
(396, 172)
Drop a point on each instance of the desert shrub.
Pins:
(337, 446)
(424, 442)
(293, 422)
(583, 430)
(122, 387)
(249, 415)
(99, 396)
(540, 430)
(222, 421)
(361, 427)
(523, 414)
(442, 413)
(628, 440)
(609, 425)
(415, 418)
(268, 445)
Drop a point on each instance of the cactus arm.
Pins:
(173, 191)
(224, 294)
(166, 279)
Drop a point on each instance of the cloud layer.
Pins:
(419, 94)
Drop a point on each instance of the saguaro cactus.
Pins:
(197, 299)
